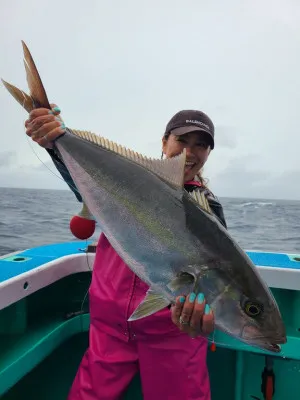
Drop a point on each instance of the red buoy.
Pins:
(83, 225)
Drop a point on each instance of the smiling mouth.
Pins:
(190, 164)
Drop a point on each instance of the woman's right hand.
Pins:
(44, 126)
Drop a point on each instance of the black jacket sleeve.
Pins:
(62, 169)
(216, 208)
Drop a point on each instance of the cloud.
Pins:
(124, 77)
(7, 159)
(226, 136)
(43, 166)
(242, 177)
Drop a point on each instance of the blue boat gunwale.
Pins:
(53, 333)
(38, 267)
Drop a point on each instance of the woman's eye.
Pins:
(205, 145)
(199, 144)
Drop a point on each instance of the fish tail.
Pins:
(24, 99)
(38, 97)
(34, 81)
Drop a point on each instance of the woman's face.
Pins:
(197, 147)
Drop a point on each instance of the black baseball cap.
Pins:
(186, 121)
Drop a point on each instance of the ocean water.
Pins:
(30, 217)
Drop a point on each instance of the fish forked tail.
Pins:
(83, 226)
(37, 97)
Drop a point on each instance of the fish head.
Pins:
(249, 312)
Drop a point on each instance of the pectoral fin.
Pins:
(152, 303)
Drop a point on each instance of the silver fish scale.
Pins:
(161, 232)
(154, 248)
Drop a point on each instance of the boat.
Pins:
(44, 322)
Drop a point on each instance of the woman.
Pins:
(169, 347)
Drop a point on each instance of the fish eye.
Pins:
(252, 308)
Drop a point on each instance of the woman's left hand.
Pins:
(192, 315)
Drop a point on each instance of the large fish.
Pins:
(168, 237)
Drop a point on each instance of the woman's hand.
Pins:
(192, 315)
(44, 126)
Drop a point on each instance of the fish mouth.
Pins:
(253, 337)
(272, 346)
(276, 348)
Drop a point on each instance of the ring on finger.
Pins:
(182, 322)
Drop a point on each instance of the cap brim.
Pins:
(192, 128)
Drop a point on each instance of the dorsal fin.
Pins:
(170, 170)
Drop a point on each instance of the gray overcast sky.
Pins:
(122, 69)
